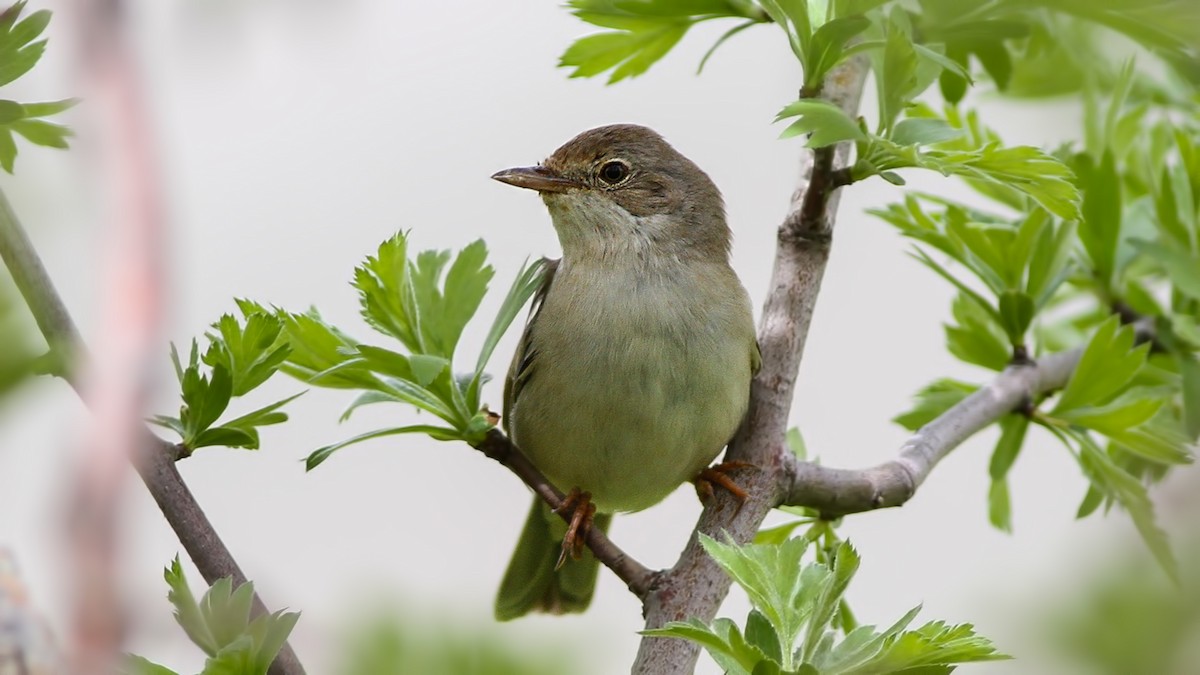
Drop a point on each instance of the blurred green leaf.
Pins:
(1101, 227)
(1182, 267)
(933, 400)
(136, 665)
(977, 338)
(1116, 483)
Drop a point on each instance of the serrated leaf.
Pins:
(827, 123)
(761, 634)
(845, 564)
(187, 610)
(1107, 366)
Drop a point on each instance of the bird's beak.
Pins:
(537, 178)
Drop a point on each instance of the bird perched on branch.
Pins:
(634, 368)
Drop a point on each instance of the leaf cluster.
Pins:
(795, 609)
(241, 356)
(219, 623)
(20, 50)
(423, 302)
(1131, 409)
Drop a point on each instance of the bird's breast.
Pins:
(638, 381)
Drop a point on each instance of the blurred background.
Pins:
(296, 135)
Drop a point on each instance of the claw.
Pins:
(583, 512)
(719, 475)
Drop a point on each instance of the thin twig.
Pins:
(695, 586)
(837, 492)
(156, 467)
(636, 576)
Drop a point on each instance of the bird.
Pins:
(633, 371)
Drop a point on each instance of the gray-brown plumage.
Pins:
(634, 369)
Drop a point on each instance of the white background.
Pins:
(294, 136)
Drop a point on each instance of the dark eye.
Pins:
(614, 172)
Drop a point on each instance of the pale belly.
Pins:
(642, 414)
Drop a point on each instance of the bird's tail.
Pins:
(531, 583)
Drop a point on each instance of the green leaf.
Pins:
(1189, 369)
(425, 368)
(1012, 436)
(826, 123)
(264, 416)
(1016, 313)
(1050, 263)
(772, 577)
(694, 630)
(1117, 484)
(845, 564)
(924, 131)
(779, 533)
(721, 40)
(934, 644)
(136, 665)
(236, 658)
(897, 79)
(795, 443)
(1107, 367)
(761, 634)
(321, 355)
(933, 400)
(1183, 268)
(977, 339)
(251, 353)
(49, 108)
(8, 150)
(828, 47)
(187, 610)
(999, 506)
(43, 133)
(1101, 227)
(626, 53)
(225, 437)
(439, 433)
(1118, 416)
(11, 111)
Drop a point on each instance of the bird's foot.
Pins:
(718, 475)
(583, 511)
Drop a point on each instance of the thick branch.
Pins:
(838, 492)
(156, 465)
(695, 586)
(635, 575)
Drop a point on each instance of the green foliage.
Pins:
(424, 302)
(389, 644)
(240, 357)
(220, 625)
(933, 400)
(645, 30)
(792, 627)
(20, 50)
(17, 359)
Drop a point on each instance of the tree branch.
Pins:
(695, 586)
(156, 466)
(636, 576)
(837, 492)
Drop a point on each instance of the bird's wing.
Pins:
(524, 358)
